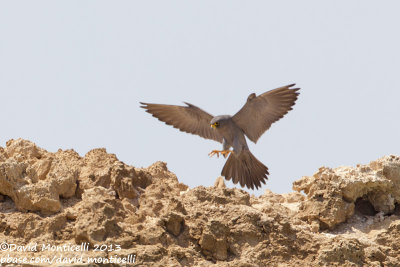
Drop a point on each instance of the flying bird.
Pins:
(252, 120)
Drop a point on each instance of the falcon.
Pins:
(252, 120)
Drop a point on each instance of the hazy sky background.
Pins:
(72, 74)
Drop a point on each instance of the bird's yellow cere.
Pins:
(215, 125)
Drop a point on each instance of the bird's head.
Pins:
(219, 121)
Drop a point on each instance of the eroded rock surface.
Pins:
(337, 217)
(333, 195)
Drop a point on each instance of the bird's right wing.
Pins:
(259, 112)
(190, 119)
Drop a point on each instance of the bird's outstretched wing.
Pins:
(190, 119)
(259, 112)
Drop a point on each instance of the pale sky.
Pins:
(72, 74)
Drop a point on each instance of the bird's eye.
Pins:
(217, 124)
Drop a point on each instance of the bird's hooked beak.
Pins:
(213, 125)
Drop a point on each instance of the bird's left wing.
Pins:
(259, 112)
(190, 119)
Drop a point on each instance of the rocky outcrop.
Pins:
(333, 195)
(337, 217)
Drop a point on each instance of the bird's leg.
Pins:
(225, 153)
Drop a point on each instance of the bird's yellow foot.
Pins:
(225, 153)
(214, 152)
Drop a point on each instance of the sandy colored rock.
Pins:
(220, 182)
(36, 179)
(174, 223)
(347, 216)
(214, 240)
(332, 194)
(345, 252)
(98, 216)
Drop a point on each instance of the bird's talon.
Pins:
(225, 153)
(214, 152)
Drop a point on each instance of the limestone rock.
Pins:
(36, 179)
(332, 194)
(98, 215)
(174, 223)
(220, 183)
(347, 216)
(214, 240)
(346, 252)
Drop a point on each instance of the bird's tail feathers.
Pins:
(246, 169)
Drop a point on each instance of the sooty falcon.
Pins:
(252, 120)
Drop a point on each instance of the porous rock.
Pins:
(347, 216)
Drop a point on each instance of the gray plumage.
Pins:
(252, 120)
